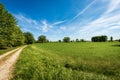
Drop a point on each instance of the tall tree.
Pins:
(42, 39)
(111, 39)
(17, 37)
(10, 33)
(29, 39)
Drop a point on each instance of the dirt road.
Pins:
(7, 66)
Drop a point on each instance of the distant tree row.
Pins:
(81, 40)
(102, 38)
(67, 39)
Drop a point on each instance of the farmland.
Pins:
(69, 61)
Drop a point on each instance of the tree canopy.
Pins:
(102, 38)
(66, 39)
(42, 39)
(77, 40)
(10, 33)
(29, 39)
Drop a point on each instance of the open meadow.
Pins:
(69, 61)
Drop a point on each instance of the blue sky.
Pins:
(56, 19)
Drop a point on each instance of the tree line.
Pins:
(10, 33)
(102, 38)
(99, 38)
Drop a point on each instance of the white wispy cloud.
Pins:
(84, 10)
(113, 5)
(102, 22)
(45, 26)
(21, 17)
(59, 22)
(28, 23)
(114, 27)
(63, 28)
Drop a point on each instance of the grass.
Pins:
(69, 61)
(6, 57)
(2, 51)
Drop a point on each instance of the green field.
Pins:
(69, 61)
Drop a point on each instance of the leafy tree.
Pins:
(42, 39)
(111, 39)
(66, 39)
(77, 40)
(29, 39)
(119, 40)
(18, 37)
(10, 33)
(59, 41)
(82, 40)
(3, 44)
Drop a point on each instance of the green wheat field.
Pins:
(69, 61)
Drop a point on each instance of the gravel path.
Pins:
(7, 67)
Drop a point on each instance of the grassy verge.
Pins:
(2, 51)
(6, 57)
(69, 61)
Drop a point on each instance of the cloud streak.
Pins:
(28, 23)
(20, 17)
(59, 22)
(84, 10)
(113, 5)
